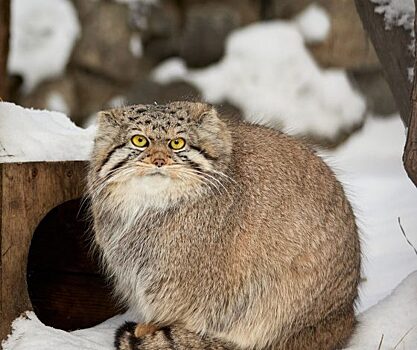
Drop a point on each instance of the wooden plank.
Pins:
(29, 192)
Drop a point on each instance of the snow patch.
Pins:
(313, 24)
(43, 33)
(393, 317)
(410, 74)
(399, 13)
(269, 74)
(135, 45)
(370, 167)
(33, 135)
(394, 320)
(56, 102)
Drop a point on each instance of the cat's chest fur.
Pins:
(157, 258)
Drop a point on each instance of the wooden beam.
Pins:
(4, 47)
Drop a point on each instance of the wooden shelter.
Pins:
(46, 263)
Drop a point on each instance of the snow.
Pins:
(43, 33)
(33, 135)
(313, 24)
(370, 166)
(285, 86)
(135, 45)
(56, 102)
(398, 13)
(410, 74)
(393, 317)
(30, 333)
(394, 320)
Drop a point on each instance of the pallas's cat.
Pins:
(221, 234)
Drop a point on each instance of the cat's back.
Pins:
(286, 187)
(265, 155)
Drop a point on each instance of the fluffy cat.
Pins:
(222, 234)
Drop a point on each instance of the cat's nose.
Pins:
(159, 162)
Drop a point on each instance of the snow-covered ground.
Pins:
(392, 323)
(369, 164)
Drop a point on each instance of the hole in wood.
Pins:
(65, 286)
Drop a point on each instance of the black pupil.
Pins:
(176, 142)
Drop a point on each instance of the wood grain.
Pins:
(29, 191)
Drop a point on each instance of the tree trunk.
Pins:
(410, 151)
(393, 49)
(4, 47)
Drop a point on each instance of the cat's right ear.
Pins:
(106, 119)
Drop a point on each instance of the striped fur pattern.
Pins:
(241, 239)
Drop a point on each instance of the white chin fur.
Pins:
(151, 184)
(149, 190)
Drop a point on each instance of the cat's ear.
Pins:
(106, 119)
(207, 114)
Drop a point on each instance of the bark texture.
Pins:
(393, 49)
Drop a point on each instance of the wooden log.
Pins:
(392, 48)
(4, 47)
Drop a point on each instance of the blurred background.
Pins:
(306, 66)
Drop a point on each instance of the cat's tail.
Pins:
(167, 338)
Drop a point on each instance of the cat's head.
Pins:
(159, 152)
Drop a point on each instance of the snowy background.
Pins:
(272, 72)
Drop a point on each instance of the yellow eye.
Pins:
(140, 141)
(177, 144)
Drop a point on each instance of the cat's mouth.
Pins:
(156, 172)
